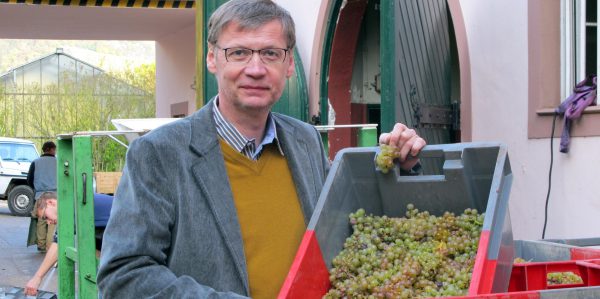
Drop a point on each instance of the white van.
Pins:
(16, 156)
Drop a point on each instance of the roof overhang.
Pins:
(110, 3)
(20, 21)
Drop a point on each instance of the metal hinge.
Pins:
(436, 116)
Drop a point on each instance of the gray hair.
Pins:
(250, 14)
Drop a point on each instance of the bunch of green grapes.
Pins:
(519, 260)
(555, 278)
(385, 158)
(416, 256)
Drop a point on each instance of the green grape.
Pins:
(385, 158)
(416, 256)
(555, 278)
(519, 260)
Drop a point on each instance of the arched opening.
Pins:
(391, 62)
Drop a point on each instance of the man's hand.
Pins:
(32, 286)
(407, 143)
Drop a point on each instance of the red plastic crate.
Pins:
(550, 251)
(529, 280)
(533, 276)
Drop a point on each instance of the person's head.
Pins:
(251, 53)
(250, 15)
(48, 207)
(49, 147)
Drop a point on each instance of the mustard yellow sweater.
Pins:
(270, 216)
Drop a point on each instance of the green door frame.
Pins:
(200, 50)
(388, 70)
(386, 53)
(323, 86)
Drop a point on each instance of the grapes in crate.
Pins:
(416, 256)
(557, 278)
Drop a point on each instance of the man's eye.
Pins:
(238, 53)
(271, 53)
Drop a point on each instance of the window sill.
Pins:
(587, 126)
(550, 111)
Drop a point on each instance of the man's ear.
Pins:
(211, 63)
(292, 67)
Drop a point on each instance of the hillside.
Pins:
(14, 52)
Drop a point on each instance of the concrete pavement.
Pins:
(17, 262)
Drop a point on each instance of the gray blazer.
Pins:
(173, 230)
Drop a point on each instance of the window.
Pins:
(579, 35)
(18, 152)
(562, 45)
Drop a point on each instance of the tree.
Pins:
(80, 103)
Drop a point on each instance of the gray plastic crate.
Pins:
(581, 242)
(473, 175)
(551, 250)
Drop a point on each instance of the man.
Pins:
(48, 209)
(215, 204)
(42, 178)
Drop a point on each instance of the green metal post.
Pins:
(84, 203)
(367, 136)
(200, 56)
(325, 139)
(66, 266)
(388, 68)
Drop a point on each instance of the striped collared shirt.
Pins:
(235, 139)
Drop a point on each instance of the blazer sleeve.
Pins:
(137, 239)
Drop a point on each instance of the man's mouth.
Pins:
(254, 87)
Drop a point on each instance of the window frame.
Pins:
(549, 74)
(573, 43)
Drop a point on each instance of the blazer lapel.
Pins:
(296, 152)
(211, 175)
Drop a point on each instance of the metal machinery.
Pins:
(76, 212)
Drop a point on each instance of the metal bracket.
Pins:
(435, 116)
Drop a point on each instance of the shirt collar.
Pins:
(235, 139)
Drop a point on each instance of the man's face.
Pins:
(49, 213)
(253, 86)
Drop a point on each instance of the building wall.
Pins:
(305, 16)
(497, 38)
(175, 71)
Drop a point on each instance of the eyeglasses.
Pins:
(244, 55)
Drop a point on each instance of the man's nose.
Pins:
(255, 66)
